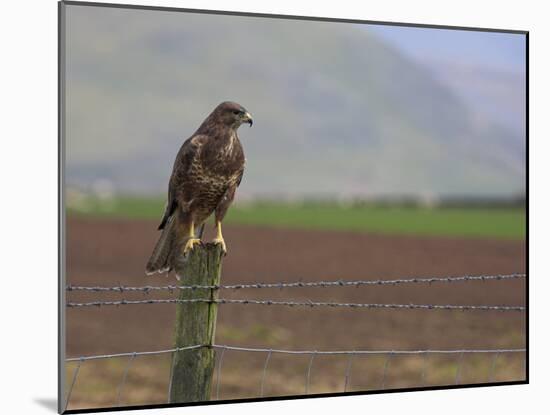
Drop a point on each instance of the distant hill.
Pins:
(337, 112)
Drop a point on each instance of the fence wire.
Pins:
(110, 356)
(123, 381)
(300, 284)
(302, 304)
(312, 353)
(292, 303)
(298, 352)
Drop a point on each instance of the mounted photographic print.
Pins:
(260, 206)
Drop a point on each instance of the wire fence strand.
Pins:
(493, 366)
(124, 376)
(265, 372)
(219, 372)
(458, 368)
(299, 352)
(386, 366)
(351, 354)
(172, 363)
(424, 369)
(312, 353)
(75, 374)
(110, 356)
(308, 376)
(300, 284)
(301, 304)
(347, 378)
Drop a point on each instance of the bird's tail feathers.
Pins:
(159, 262)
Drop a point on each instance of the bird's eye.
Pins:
(236, 112)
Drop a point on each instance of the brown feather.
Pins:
(207, 170)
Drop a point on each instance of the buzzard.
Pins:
(207, 171)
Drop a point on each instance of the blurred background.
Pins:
(377, 152)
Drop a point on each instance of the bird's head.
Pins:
(232, 114)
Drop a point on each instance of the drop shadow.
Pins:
(48, 403)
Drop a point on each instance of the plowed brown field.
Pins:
(109, 252)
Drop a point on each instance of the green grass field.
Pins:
(506, 223)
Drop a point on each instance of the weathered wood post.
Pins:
(192, 370)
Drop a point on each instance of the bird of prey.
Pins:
(207, 171)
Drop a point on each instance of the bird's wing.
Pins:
(188, 152)
(240, 177)
(168, 210)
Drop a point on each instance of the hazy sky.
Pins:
(487, 69)
(342, 110)
(498, 51)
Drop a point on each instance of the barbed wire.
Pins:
(292, 303)
(300, 284)
(301, 304)
(298, 352)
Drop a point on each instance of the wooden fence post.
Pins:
(192, 370)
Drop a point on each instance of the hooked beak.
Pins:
(248, 118)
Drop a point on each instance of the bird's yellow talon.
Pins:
(190, 244)
(220, 241)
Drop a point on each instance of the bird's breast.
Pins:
(218, 167)
(209, 185)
